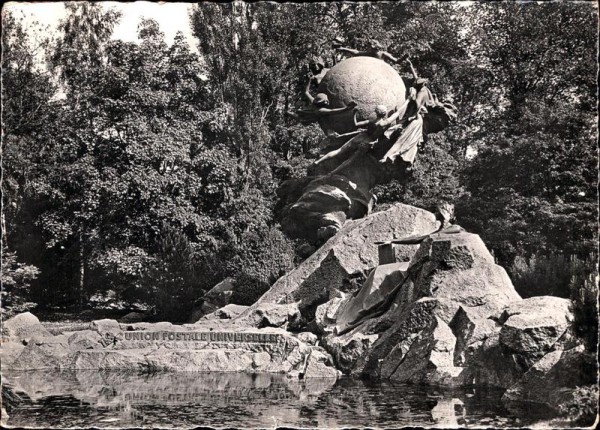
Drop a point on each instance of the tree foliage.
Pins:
(150, 171)
(531, 188)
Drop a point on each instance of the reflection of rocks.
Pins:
(349, 254)
(446, 413)
(556, 375)
(182, 400)
(105, 389)
(211, 346)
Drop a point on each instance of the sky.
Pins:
(171, 17)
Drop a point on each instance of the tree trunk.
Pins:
(3, 227)
(81, 272)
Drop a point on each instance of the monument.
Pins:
(400, 294)
(373, 125)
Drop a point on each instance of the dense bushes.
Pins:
(259, 260)
(584, 295)
(16, 281)
(582, 408)
(569, 277)
(550, 274)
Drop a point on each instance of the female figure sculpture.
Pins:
(422, 109)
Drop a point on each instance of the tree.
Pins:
(148, 170)
(531, 188)
(26, 92)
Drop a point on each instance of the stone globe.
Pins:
(368, 82)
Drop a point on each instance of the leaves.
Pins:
(155, 168)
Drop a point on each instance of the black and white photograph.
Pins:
(305, 215)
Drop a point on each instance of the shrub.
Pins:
(549, 274)
(115, 273)
(259, 262)
(584, 295)
(170, 285)
(16, 281)
(582, 408)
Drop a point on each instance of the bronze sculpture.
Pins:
(363, 149)
(374, 49)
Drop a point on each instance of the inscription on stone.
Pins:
(202, 336)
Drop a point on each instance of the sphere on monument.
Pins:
(367, 81)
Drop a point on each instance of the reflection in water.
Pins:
(449, 412)
(116, 399)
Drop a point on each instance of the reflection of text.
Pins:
(202, 336)
(234, 394)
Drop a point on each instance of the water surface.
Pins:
(175, 400)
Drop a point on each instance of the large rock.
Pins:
(428, 357)
(525, 332)
(132, 317)
(24, 326)
(326, 315)
(9, 351)
(349, 254)
(347, 350)
(319, 365)
(44, 353)
(535, 324)
(493, 366)
(271, 315)
(459, 267)
(86, 339)
(418, 347)
(218, 296)
(106, 326)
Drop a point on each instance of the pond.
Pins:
(175, 400)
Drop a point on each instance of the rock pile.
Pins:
(444, 313)
(428, 328)
(347, 256)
